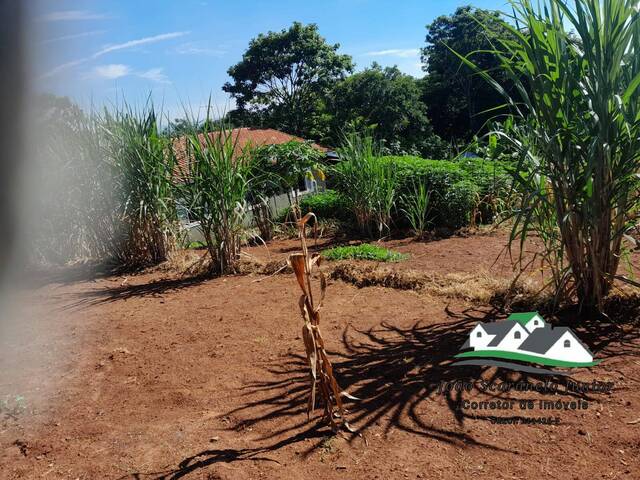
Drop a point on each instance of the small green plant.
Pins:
(364, 251)
(416, 208)
(328, 447)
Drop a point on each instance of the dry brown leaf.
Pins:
(297, 261)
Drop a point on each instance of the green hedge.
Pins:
(457, 187)
(327, 204)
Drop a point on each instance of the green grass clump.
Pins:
(363, 251)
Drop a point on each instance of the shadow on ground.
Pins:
(124, 292)
(394, 372)
(209, 457)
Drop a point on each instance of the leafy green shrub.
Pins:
(281, 167)
(457, 188)
(364, 251)
(458, 204)
(326, 205)
(283, 215)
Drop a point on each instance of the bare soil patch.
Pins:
(157, 376)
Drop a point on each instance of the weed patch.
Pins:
(364, 251)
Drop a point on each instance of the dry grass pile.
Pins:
(474, 287)
(370, 276)
(184, 263)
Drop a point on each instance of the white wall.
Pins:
(530, 325)
(479, 342)
(575, 353)
(509, 342)
(277, 203)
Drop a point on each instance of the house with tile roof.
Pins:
(526, 336)
(244, 139)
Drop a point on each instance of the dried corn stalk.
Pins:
(321, 371)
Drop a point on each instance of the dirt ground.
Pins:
(149, 376)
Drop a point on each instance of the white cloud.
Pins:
(71, 15)
(138, 42)
(112, 71)
(117, 70)
(155, 75)
(191, 48)
(114, 48)
(396, 52)
(64, 66)
(73, 36)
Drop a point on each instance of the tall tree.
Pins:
(283, 78)
(454, 95)
(390, 100)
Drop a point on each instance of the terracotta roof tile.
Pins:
(243, 138)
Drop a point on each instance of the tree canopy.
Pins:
(455, 97)
(283, 78)
(390, 101)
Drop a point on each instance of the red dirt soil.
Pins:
(149, 377)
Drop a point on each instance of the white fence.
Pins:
(277, 203)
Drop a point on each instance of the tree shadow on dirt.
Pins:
(397, 374)
(124, 292)
(613, 336)
(210, 457)
(394, 371)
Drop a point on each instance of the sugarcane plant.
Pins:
(371, 183)
(320, 368)
(213, 185)
(574, 119)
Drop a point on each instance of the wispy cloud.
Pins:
(155, 75)
(73, 36)
(396, 52)
(191, 48)
(117, 70)
(72, 15)
(138, 42)
(112, 71)
(114, 48)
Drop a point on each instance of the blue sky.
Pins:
(98, 51)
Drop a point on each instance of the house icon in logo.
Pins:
(527, 337)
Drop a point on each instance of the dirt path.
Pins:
(150, 378)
